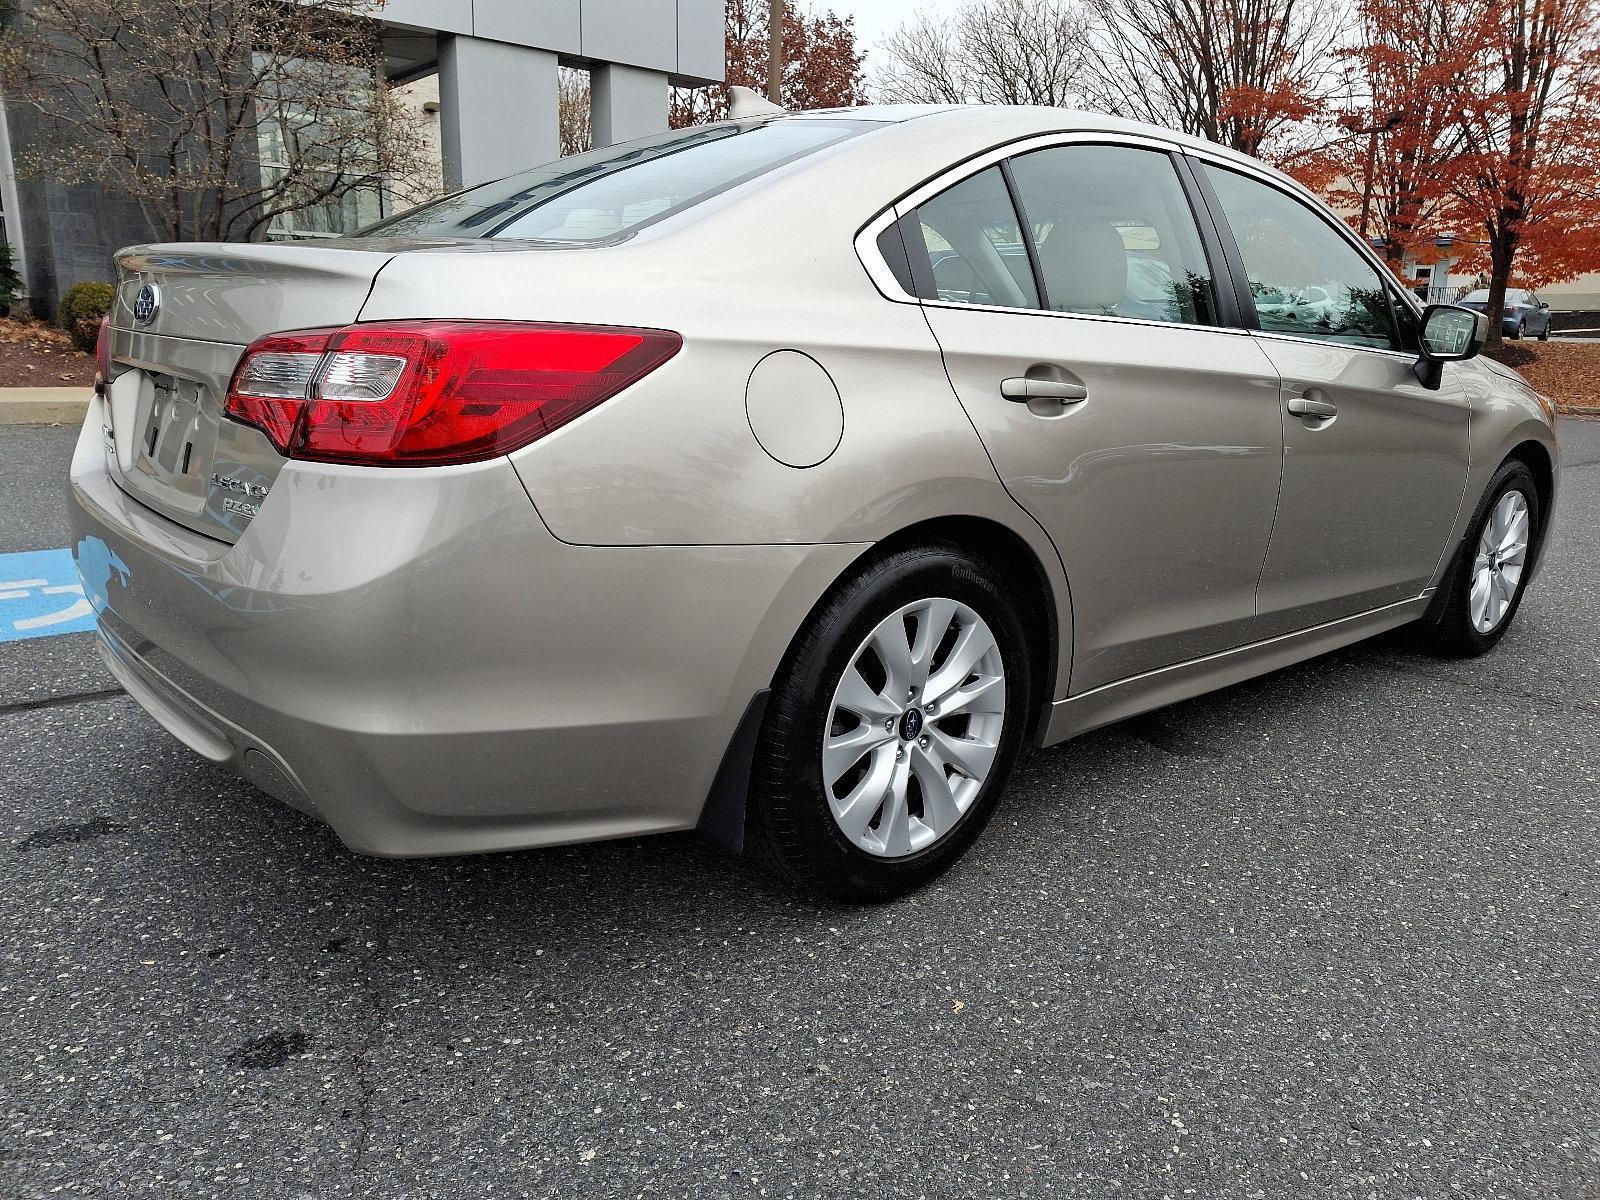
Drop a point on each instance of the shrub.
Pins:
(10, 281)
(82, 309)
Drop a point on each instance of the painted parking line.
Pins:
(41, 596)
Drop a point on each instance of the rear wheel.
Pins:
(1516, 334)
(1486, 580)
(892, 727)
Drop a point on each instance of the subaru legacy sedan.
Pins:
(786, 478)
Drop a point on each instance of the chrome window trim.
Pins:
(1272, 335)
(866, 242)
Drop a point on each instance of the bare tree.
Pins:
(991, 52)
(575, 106)
(1233, 71)
(216, 116)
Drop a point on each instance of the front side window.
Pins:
(1305, 278)
(1114, 234)
(610, 193)
(974, 247)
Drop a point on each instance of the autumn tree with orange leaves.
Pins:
(822, 64)
(1390, 145)
(1476, 119)
(1525, 176)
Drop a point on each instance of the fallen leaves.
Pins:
(36, 354)
(1567, 372)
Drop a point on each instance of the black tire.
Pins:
(1448, 630)
(791, 823)
(1544, 334)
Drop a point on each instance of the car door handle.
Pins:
(1300, 406)
(1023, 388)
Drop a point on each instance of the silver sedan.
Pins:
(787, 477)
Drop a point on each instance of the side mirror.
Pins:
(1449, 334)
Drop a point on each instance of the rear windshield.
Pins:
(607, 194)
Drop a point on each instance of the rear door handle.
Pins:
(1321, 409)
(1022, 389)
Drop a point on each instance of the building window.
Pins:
(291, 140)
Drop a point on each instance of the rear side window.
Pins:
(607, 194)
(1305, 278)
(1114, 234)
(975, 251)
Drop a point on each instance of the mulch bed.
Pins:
(33, 354)
(1567, 372)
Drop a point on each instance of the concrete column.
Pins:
(498, 109)
(626, 103)
(12, 205)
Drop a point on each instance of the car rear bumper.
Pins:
(411, 656)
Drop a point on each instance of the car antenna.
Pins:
(746, 102)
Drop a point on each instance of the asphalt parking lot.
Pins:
(1331, 933)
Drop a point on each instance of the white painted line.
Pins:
(63, 589)
(22, 595)
(22, 583)
(80, 609)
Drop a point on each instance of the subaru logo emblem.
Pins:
(911, 725)
(147, 305)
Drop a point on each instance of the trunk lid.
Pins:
(182, 317)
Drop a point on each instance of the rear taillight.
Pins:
(102, 357)
(423, 393)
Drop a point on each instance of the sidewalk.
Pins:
(44, 405)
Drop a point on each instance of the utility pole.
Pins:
(775, 53)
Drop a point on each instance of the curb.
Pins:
(44, 405)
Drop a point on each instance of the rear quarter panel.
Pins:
(673, 459)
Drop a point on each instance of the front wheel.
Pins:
(1489, 573)
(1544, 334)
(892, 727)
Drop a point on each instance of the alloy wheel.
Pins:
(1497, 567)
(914, 727)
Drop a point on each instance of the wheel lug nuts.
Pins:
(888, 724)
(931, 709)
(899, 754)
(923, 742)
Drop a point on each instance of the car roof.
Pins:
(1006, 121)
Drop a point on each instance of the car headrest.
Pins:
(1085, 265)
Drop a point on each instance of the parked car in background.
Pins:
(643, 492)
(1308, 308)
(1524, 313)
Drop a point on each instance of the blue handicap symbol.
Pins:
(41, 593)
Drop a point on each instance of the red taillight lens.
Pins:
(102, 357)
(423, 393)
